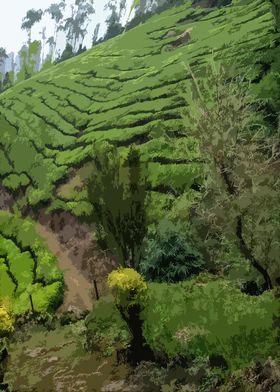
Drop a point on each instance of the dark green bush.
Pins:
(276, 12)
(169, 255)
(118, 195)
(106, 330)
(211, 3)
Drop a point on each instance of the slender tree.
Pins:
(122, 8)
(95, 34)
(34, 57)
(7, 81)
(130, 292)
(51, 43)
(56, 11)
(23, 72)
(43, 37)
(241, 198)
(76, 25)
(31, 18)
(117, 191)
(85, 9)
(113, 21)
(3, 55)
(30, 60)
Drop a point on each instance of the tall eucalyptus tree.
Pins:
(56, 11)
(31, 18)
(3, 55)
(76, 25)
(113, 21)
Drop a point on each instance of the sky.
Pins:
(12, 13)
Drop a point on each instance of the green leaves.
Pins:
(241, 184)
(207, 316)
(26, 266)
(169, 254)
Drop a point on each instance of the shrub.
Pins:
(130, 290)
(45, 298)
(6, 319)
(105, 328)
(200, 318)
(169, 256)
(128, 285)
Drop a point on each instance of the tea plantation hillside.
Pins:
(27, 268)
(126, 90)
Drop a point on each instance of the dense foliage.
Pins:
(210, 318)
(130, 290)
(106, 329)
(117, 191)
(169, 255)
(202, 317)
(6, 319)
(124, 99)
(241, 196)
(126, 279)
(149, 136)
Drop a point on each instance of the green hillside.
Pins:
(126, 90)
(171, 279)
(27, 267)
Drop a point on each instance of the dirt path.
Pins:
(56, 361)
(78, 288)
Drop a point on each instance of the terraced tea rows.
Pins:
(126, 90)
(26, 267)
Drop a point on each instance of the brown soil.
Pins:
(79, 257)
(6, 200)
(56, 361)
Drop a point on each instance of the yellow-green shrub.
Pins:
(6, 319)
(128, 286)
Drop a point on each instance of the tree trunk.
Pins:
(96, 290)
(247, 253)
(139, 349)
(3, 364)
(31, 304)
(244, 249)
(55, 42)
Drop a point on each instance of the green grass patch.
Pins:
(203, 317)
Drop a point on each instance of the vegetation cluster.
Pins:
(185, 196)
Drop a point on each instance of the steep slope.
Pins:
(126, 90)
